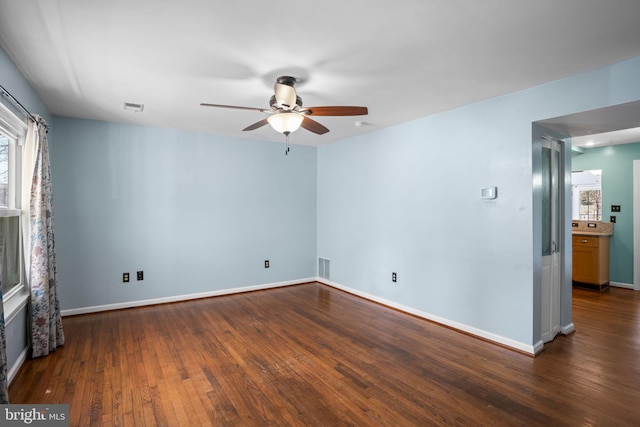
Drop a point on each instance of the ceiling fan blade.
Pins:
(256, 125)
(336, 111)
(204, 104)
(313, 126)
(285, 95)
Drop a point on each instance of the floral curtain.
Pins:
(4, 397)
(46, 321)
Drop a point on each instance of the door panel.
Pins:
(552, 210)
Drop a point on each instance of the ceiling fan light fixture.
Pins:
(285, 122)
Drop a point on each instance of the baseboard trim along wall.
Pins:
(17, 365)
(538, 347)
(178, 298)
(621, 285)
(568, 329)
(497, 339)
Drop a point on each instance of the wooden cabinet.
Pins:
(591, 260)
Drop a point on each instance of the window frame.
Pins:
(10, 124)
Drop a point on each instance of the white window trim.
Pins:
(14, 302)
(16, 299)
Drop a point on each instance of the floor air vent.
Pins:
(324, 268)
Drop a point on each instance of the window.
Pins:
(587, 195)
(4, 171)
(590, 205)
(10, 253)
(12, 131)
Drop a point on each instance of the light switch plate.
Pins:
(489, 193)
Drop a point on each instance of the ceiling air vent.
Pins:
(136, 108)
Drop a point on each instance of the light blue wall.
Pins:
(16, 335)
(13, 81)
(195, 212)
(616, 163)
(407, 199)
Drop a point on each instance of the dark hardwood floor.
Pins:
(311, 355)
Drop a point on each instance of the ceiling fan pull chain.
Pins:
(286, 152)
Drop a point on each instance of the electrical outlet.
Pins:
(140, 275)
(266, 263)
(125, 277)
(394, 277)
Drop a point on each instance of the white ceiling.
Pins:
(624, 136)
(402, 59)
(617, 124)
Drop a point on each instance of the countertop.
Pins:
(591, 228)
(591, 233)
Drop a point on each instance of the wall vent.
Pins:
(324, 268)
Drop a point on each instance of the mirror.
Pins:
(587, 195)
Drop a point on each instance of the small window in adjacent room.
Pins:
(587, 195)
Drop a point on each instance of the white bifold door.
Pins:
(552, 214)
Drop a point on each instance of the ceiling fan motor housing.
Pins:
(286, 80)
(274, 103)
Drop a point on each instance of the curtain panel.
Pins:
(46, 322)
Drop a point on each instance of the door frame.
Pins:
(636, 225)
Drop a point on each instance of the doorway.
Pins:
(615, 124)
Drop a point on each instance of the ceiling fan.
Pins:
(287, 113)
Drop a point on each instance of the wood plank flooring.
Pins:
(311, 355)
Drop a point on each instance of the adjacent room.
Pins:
(338, 213)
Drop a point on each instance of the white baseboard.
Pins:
(498, 339)
(538, 347)
(568, 329)
(621, 285)
(13, 371)
(177, 298)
